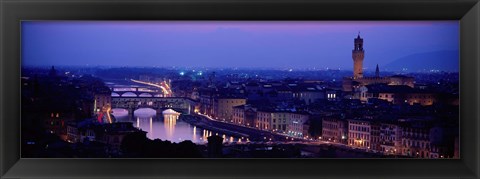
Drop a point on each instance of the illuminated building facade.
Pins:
(359, 133)
(280, 121)
(334, 130)
(390, 138)
(416, 143)
(396, 94)
(103, 102)
(263, 120)
(296, 124)
(207, 101)
(244, 115)
(288, 122)
(224, 107)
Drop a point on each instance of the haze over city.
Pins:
(242, 44)
(204, 89)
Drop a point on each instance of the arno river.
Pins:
(164, 127)
(168, 128)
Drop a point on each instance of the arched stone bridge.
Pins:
(183, 105)
(136, 92)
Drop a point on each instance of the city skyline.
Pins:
(223, 44)
(266, 110)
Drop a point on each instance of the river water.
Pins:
(167, 127)
(163, 127)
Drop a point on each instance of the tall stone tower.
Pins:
(358, 54)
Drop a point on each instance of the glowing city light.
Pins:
(166, 89)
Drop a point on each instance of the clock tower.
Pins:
(358, 54)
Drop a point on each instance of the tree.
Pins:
(134, 144)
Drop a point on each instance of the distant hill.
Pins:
(445, 60)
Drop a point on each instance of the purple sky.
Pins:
(306, 44)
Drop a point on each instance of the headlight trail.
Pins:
(152, 84)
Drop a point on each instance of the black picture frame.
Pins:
(14, 11)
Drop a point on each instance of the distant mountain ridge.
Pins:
(444, 60)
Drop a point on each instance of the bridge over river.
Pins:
(180, 104)
(133, 94)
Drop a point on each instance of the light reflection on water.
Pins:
(168, 127)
